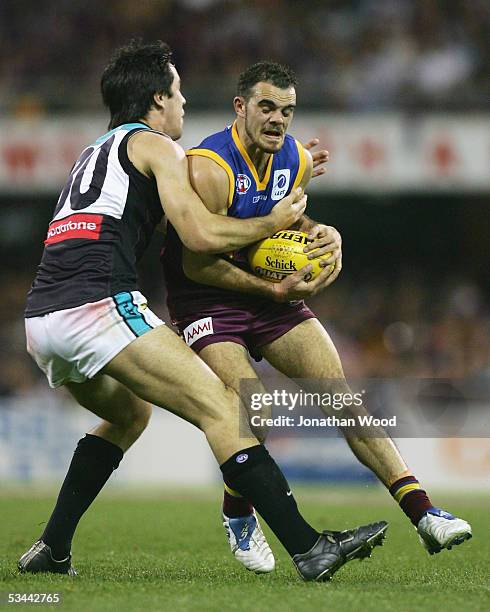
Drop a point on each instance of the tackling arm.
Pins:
(198, 228)
(211, 183)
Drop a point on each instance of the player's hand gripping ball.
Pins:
(282, 254)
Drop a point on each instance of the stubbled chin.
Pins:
(176, 134)
(273, 148)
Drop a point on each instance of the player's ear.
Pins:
(159, 100)
(239, 103)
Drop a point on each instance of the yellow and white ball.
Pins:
(282, 254)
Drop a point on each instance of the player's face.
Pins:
(174, 109)
(269, 112)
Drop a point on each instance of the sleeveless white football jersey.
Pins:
(102, 224)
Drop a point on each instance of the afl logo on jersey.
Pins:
(280, 183)
(243, 183)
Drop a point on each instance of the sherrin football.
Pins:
(282, 254)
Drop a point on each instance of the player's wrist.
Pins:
(277, 293)
(305, 224)
(270, 224)
(263, 289)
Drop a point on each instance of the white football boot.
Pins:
(438, 529)
(248, 544)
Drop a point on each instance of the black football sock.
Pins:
(93, 462)
(255, 475)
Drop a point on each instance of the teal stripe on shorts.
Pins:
(130, 313)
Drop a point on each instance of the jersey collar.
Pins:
(261, 185)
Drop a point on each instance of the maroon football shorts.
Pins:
(252, 324)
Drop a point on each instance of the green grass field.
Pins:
(167, 551)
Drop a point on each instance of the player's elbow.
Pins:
(213, 246)
(195, 244)
(196, 240)
(203, 236)
(206, 242)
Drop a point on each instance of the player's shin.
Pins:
(93, 462)
(255, 475)
(381, 456)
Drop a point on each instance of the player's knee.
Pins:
(260, 432)
(223, 411)
(257, 426)
(133, 417)
(138, 417)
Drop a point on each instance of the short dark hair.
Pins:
(267, 72)
(134, 74)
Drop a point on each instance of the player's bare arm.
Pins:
(218, 272)
(211, 183)
(200, 230)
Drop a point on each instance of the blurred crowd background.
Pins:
(413, 298)
(351, 55)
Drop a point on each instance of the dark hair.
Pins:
(134, 74)
(267, 72)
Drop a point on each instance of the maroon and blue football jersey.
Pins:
(248, 196)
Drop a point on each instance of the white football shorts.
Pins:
(72, 345)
